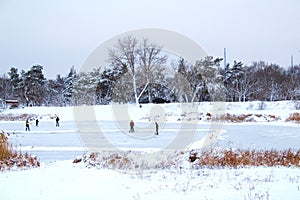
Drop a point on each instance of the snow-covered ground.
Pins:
(63, 180)
(182, 127)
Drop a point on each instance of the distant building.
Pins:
(11, 103)
(1, 104)
(298, 94)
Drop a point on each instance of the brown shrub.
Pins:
(5, 148)
(10, 158)
(245, 118)
(237, 158)
(294, 117)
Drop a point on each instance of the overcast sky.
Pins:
(58, 34)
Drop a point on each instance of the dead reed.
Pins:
(12, 159)
(295, 117)
(242, 158)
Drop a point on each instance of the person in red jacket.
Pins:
(131, 124)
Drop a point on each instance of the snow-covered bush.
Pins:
(192, 159)
(297, 105)
(241, 158)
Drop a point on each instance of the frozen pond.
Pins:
(72, 139)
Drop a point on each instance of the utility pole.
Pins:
(292, 61)
(225, 63)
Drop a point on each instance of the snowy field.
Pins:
(181, 127)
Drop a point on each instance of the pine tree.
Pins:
(55, 88)
(233, 79)
(69, 86)
(15, 82)
(85, 87)
(211, 81)
(34, 88)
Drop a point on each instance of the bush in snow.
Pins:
(10, 159)
(247, 118)
(192, 159)
(294, 117)
(242, 158)
(131, 161)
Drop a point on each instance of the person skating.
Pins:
(131, 124)
(156, 128)
(57, 121)
(27, 125)
(37, 122)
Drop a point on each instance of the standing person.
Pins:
(57, 121)
(156, 128)
(27, 125)
(37, 122)
(131, 124)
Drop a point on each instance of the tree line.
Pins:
(141, 71)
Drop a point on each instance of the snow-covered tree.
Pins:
(69, 86)
(151, 70)
(33, 85)
(271, 78)
(85, 87)
(55, 88)
(233, 80)
(124, 54)
(107, 81)
(183, 81)
(5, 88)
(292, 83)
(15, 83)
(208, 79)
(143, 64)
(249, 85)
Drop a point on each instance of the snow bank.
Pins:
(64, 180)
(172, 112)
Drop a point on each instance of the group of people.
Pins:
(131, 130)
(27, 123)
(131, 124)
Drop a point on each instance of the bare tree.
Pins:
(151, 64)
(248, 86)
(292, 82)
(141, 60)
(5, 87)
(270, 79)
(124, 53)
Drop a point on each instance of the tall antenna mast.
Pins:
(225, 63)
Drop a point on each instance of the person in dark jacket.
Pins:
(37, 122)
(57, 121)
(156, 128)
(27, 125)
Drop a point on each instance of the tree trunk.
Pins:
(135, 90)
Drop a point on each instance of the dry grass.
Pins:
(10, 158)
(241, 158)
(19, 117)
(111, 161)
(5, 148)
(295, 117)
(197, 159)
(246, 118)
(235, 118)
